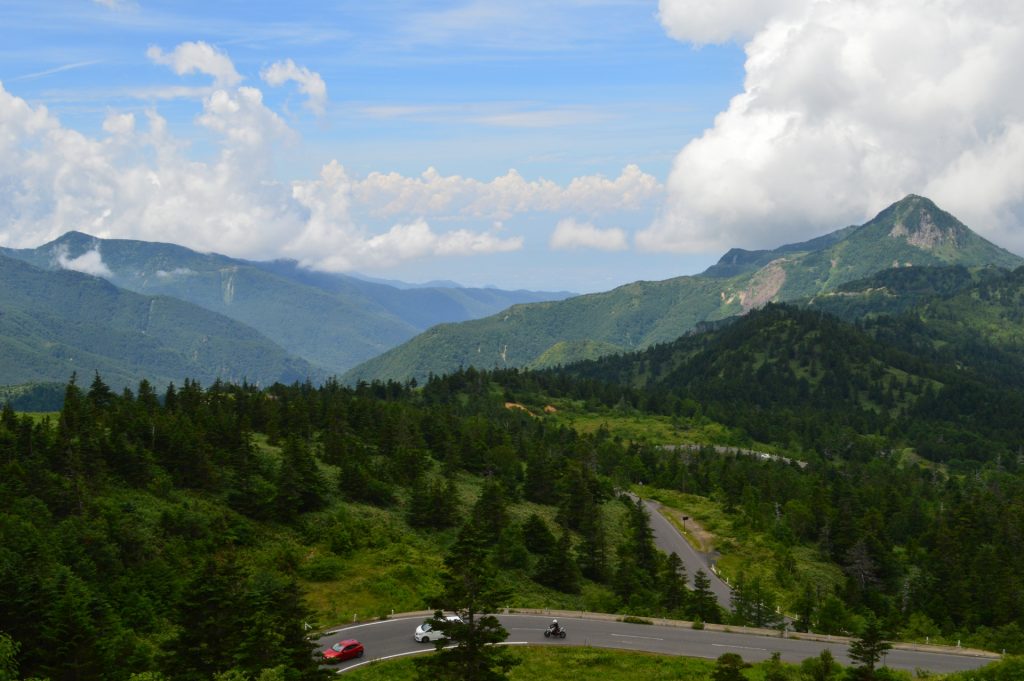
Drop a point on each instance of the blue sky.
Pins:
(574, 144)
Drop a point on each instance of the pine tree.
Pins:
(471, 591)
(559, 569)
(299, 485)
(703, 604)
(869, 648)
(674, 594)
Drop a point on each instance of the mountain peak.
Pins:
(918, 221)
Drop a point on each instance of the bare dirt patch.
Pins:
(699, 538)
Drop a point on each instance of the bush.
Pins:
(322, 568)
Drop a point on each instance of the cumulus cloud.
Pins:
(331, 240)
(138, 180)
(90, 262)
(197, 57)
(570, 234)
(846, 107)
(434, 194)
(310, 83)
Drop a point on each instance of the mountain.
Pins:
(55, 323)
(911, 232)
(943, 372)
(331, 320)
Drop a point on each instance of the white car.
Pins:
(425, 633)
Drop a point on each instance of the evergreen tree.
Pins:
(703, 604)
(537, 536)
(673, 585)
(558, 569)
(869, 648)
(471, 591)
(299, 485)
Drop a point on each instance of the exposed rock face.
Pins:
(925, 234)
(764, 285)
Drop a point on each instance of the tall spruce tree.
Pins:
(869, 648)
(471, 591)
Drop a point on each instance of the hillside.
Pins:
(55, 323)
(912, 232)
(331, 320)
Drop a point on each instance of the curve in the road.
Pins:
(387, 639)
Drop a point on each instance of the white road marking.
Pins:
(649, 638)
(416, 652)
(726, 645)
(369, 624)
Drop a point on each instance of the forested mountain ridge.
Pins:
(56, 323)
(177, 534)
(334, 321)
(911, 232)
(933, 354)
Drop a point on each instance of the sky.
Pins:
(542, 144)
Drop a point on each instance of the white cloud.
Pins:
(90, 262)
(176, 273)
(310, 83)
(717, 21)
(846, 107)
(570, 234)
(137, 180)
(434, 194)
(197, 57)
(331, 240)
(119, 124)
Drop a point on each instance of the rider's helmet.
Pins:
(555, 622)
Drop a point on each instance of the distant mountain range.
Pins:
(56, 323)
(913, 232)
(331, 321)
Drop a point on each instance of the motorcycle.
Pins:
(550, 631)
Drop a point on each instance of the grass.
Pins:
(363, 562)
(653, 428)
(786, 570)
(556, 663)
(543, 663)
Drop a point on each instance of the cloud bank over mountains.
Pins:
(846, 107)
(138, 180)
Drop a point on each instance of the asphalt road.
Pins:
(668, 539)
(387, 639)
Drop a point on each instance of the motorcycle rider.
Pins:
(555, 629)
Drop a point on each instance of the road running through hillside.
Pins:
(388, 639)
(668, 539)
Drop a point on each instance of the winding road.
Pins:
(387, 639)
(391, 638)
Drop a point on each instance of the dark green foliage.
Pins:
(471, 591)
(537, 536)
(821, 668)
(729, 667)
(558, 569)
(674, 595)
(754, 604)
(868, 649)
(774, 670)
(703, 604)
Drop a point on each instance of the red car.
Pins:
(343, 650)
